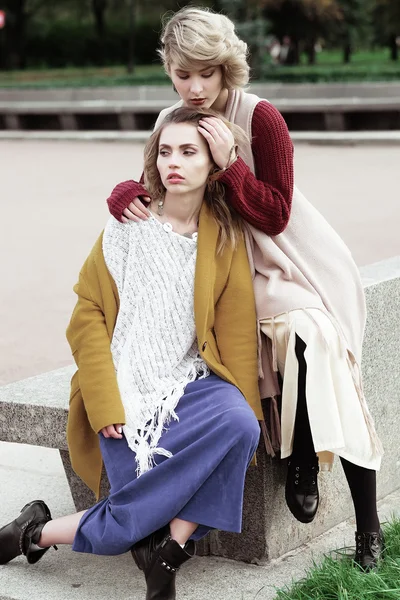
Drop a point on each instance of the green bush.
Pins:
(331, 74)
(69, 43)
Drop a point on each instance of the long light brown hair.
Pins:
(228, 220)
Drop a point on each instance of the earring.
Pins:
(212, 179)
(160, 208)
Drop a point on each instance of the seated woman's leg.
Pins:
(202, 483)
(369, 537)
(301, 490)
(361, 481)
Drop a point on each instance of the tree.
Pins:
(386, 19)
(250, 26)
(98, 8)
(344, 22)
(19, 13)
(352, 28)
(304, 21)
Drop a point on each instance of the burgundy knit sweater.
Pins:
(263, 200)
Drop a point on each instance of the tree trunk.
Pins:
(311, 52)
(131, 46)
(296, 52)
(394, 49)
(15, 36)
(99, 7)
(347, 50)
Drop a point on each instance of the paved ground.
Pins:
(52, 197)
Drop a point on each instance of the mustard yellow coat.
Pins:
(225, 320)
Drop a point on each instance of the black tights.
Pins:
(362, 482)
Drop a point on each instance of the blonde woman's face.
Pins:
(199, 88)
(183, 160)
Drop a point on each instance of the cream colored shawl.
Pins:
(312, 257)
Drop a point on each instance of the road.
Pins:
(52, 197)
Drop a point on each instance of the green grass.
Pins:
(83, 77)
(365, 66)
(334, 73)
(337, 578)
(361, 57)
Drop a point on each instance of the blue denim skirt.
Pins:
(212, 445)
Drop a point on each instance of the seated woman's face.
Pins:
(184, 160)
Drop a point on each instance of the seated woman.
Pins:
(166, 393)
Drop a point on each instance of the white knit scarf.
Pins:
(154, 344)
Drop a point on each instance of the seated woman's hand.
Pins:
(112, 431)
(136, 210)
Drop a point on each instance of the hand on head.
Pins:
(220, 139)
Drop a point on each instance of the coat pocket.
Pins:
(210, 348)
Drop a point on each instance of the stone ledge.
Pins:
(381, 271)
(165, 92)
(40, 403)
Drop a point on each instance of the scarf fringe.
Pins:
(357, 379)
(259, 351)
(356, 375)
(143, 440)
(272, 438)
(267, 440)
(274, 347)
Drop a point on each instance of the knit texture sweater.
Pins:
(154, 345)
(263, 199)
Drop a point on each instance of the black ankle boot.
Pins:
(143, 551)
(301, 491)
(165, 563)
(17, 537)
(370, 547)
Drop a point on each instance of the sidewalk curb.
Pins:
(299, 137)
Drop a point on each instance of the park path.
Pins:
(52, 200)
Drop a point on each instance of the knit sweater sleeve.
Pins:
(123, 194)
(264, 200)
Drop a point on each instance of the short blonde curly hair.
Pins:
(196, 37)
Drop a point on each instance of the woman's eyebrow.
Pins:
(178, 70)
(181, 146)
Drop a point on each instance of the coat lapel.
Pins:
(205, 272)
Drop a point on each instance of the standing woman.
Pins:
(166, 392)
(309, 297)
